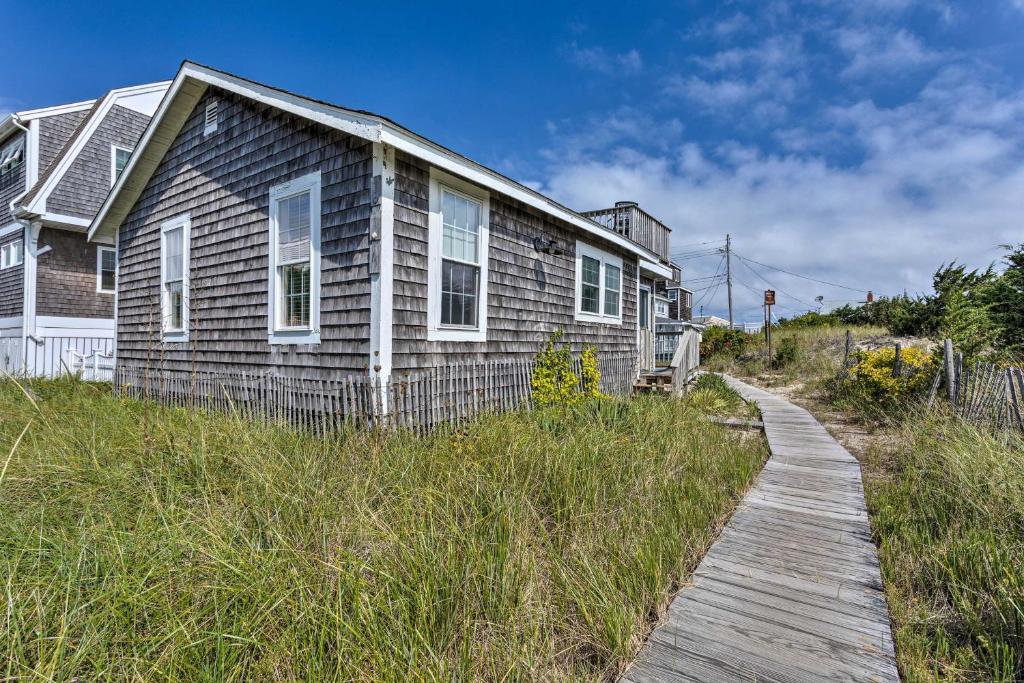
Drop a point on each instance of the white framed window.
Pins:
(118, 160)
(457, 266)
(174, 277)
(12, 155)
(293, 296)
(598, 285)
(106, 270)
(210, 117)
(12, 254)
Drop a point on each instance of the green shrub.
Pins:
(786, 352)
(723, 341)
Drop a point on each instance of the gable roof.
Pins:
(33, 202)
(191, 83)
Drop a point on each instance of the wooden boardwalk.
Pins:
(791, 591)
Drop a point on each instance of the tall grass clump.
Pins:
(146, 543)
(947, 504)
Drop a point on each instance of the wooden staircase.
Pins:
(655, 381)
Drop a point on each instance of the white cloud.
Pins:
(600, 60)
(771, 71)
(937, 179)
(878, 51)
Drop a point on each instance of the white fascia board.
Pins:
(654, 268)
(481, 175)
(44, 112)
(360, 125)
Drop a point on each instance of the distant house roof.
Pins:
(139, 97)
(191, 83)
(711, 320)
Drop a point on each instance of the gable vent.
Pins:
(211, 117)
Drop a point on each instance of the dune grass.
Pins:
(142, 543)
(947, 504)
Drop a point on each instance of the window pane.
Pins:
(176, 305)
(19, 252)
(459, 290)
(591, 271)
(611, 302)
(588, 298)
(293, 223)
(108, 263)
(611, 277)
(460, 219)
(173, 250)
(121, 157)
(295, 295)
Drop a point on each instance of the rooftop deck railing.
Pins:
(629, 220)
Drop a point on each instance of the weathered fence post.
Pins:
(897, 364)
(947, 359)
(848, 349)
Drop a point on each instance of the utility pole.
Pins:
(728, 273)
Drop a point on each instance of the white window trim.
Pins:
(435, 330)
(292, 335)
(606, 259)
(113, 161)
(99, 269)
(8, 249)
(184, 222)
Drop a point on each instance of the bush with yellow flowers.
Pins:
(555, 382)
(873, 378)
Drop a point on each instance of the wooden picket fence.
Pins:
(984, 393)
(419, 401)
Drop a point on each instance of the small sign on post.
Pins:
(769, 301)
(769, 297)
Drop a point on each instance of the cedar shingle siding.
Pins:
(529, 294)
(66, 278)
(54, 131)
(12, 283)
(222, 181)
(86, 183)
(12, 183)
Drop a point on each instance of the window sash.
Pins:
(460, 291)
(293, 296)
(460, 227)
(107, 270)
(174, 268)
(12, 254)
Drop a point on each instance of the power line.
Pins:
(698, 244)
(781, 291)
(805, 277)
(718, 271)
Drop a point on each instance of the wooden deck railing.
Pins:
(629, 220)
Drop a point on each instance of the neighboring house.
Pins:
(263, 232)
(56, 167)
(680, 303)
(711, 321)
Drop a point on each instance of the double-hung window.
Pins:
(106, 270)
(119, 157)
(12, 254)
(294, 293)
(598, 285)
(174, 277)
(457, 278)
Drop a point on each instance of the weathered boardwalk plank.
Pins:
(791, 591)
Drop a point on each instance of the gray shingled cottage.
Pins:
(57, 165)
(262, 232)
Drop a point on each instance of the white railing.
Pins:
(94, 367)
(686, 358)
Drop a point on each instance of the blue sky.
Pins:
(860, 142)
